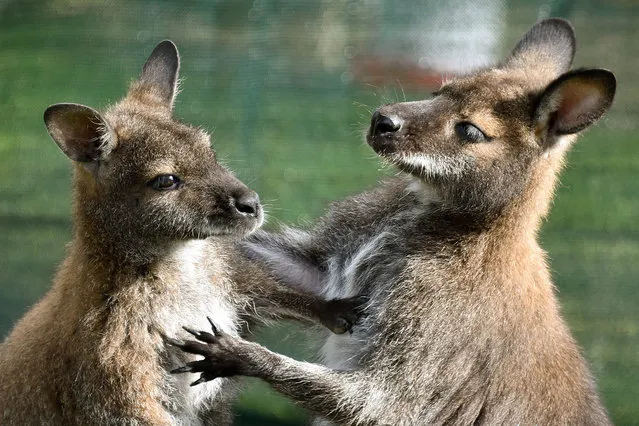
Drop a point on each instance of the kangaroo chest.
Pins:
(200, 289)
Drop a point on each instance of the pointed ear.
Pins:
(80, 132)
(574, 101)
(160, 72)
(548, 48)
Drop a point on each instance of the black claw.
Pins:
(173, 342)
(191, 331)
(202, 336)
(184, 369)
(206, 337)
(194, 347)
(213, 326)
(202, 379)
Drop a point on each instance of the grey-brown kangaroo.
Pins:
(462, 325)
(155, 217)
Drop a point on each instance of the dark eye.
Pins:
(470, 133)
(165, 182)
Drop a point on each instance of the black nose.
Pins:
(381, 124)
(247, 203)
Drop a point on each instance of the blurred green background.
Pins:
(287, 88)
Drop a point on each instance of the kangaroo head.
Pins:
(488, 139)
(142, 177)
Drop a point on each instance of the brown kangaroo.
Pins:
(462, 324)
(148, 194)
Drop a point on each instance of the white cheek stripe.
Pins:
(433, 164)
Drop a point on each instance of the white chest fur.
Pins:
(202, 289)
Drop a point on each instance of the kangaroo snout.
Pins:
(246, 203)
(381, 131)
(381, 124)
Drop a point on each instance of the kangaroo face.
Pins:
(480, 138)
(163, 179)
(144, 175)
(470, 136)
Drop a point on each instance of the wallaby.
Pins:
(148, 192)
(462, 325)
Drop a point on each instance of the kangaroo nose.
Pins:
(247, 203)
(381, 124)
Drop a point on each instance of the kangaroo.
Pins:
(155, 220)
(462, 325)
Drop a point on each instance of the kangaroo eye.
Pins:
(470, 133)
(164, 182)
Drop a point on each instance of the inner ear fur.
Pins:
(575, 100)
(548, 49)
(80, 132)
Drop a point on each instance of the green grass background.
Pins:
(292, 129)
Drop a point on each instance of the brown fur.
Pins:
(142, 262)
(462, 325)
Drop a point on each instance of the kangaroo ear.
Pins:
(160, 72)
(548, 48)
(80, 132)
(575, 100)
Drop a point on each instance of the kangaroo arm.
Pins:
(291, 257)
(332, 394)
(341, 396)
(266, 297)
(338, 315)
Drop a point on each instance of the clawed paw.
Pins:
(215, 347)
